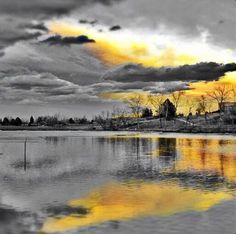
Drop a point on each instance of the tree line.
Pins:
(168, 107)
(209, 101)
(161, 106)
(43, 121)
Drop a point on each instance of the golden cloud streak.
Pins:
(121, 47)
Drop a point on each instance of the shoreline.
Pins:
(86, 128)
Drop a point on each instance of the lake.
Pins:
(117, 183)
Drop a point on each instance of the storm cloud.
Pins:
(45, 8)
(72, 63)
(42, 88)
(198, 72)
(15, 13)
(59, 40)
(187, 18)
(115, 28)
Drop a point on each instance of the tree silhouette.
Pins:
(135, 104)
(5, 121)
(168, 109)
(71, 121)
(156, 101)
(13, 122)
(220, 94)
(31, 120)
(18, 122)
(146, 113)
(39, 120)
(176, 98)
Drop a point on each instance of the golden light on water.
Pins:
(117, 201)
(211, 156)
(191, 155)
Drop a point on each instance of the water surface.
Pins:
(97, 182)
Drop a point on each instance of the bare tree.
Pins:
(135, 103)
(220, 94)
(155, 101)
(203, 105)
(233, 92)
(105, 121)
(176, 97)
(190, 103)
(120, 117)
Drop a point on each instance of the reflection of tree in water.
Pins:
(13, 221)
(55, 140)
(133, 153)
(167, 147)
(208, 157)
(167, 152)
(139, 164)
(192, 164)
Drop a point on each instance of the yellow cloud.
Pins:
(150, 50)
(114, 48)
(203, 87)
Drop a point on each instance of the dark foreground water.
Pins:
(117, 183)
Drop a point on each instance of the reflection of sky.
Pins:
(117, 201)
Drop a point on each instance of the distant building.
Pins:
(168, 109)
(229, 107)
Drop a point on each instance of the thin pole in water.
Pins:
(25, 154)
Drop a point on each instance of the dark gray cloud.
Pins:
(187, 18)
(59, 40)
(42, 88)
(24, 86)
(153, 87)
(72, 63)
(45, 8)
(115, 28)
(11, 31)
(17, 13)
(167, 87)
(198, 72)
(84, 21)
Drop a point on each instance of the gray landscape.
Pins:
(117, 117)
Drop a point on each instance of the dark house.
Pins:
(168, 109)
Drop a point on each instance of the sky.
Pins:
(80, 57)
